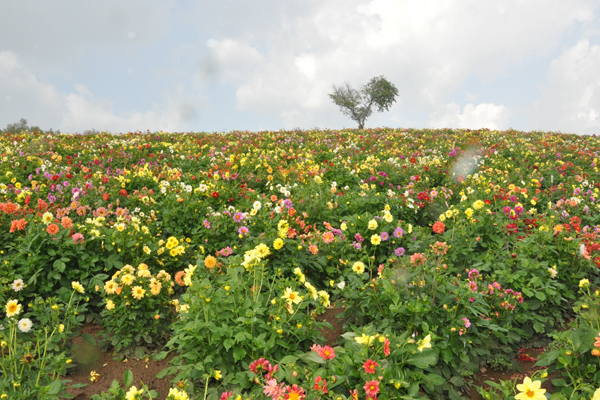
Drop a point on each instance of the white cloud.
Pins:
(23, 96)
(42, 105)
(483, 115)
(428, 49)
(570, 99)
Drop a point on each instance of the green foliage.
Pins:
(232, 315)
(35, 347)
(137, 310)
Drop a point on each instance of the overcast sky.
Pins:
(222, 65)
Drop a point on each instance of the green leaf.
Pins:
(423, 359)
(559, 382)
(165, 372)
(311, 356)
(538, 326)
(288, 360)
(54, 387)
(434, 379)
(238, 354)
(447, 355)
(89, 339)
(160, 356)
(228, 343)
(540, 295)
(128, 378)
(59, 266)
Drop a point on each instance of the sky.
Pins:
(223, 65)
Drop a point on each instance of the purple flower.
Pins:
(398, 232)
(399, 252)
(357, 245)
(384, 236)
(287, 203)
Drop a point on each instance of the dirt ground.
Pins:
(88, 358)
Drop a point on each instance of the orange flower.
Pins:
(66, 222)
(18, 225)
(210, 262)
(313, 249)
(179, 278)
(439, 227)
(52, 229)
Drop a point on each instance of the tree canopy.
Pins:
(359, 104)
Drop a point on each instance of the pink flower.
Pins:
(225, 395)
(467, 322)
(77, 238)
(386, 347)
(273, 390)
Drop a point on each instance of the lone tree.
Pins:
(358, 105)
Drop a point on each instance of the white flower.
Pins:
(18, 285)
(25, 325)
(257, 205)
(553, 272)
(342, 284)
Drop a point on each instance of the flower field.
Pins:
(447, 250)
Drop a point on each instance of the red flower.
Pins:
(512, 228)
(386, 347)
(320, 384)
(123, 192)
(215, 195)
(439, 227)
(105, 196)
(372, 387)
(370, 366)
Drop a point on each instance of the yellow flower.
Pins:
(218, 375)
(12, 308)
(584, 283)
(364, 339)
(425, 343)
(299, 274)
(127, 279)
(78, 287)
(134, 393)
(110, 305)
(530, 390)
(469, 212)
(262, 250)
(372, 224)
(278, 244)
(61, 328)
(375, 240)
(478, 205)
(291, 296)
(137, 292)
(47, 218)
(596, 395)
(358, 267)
